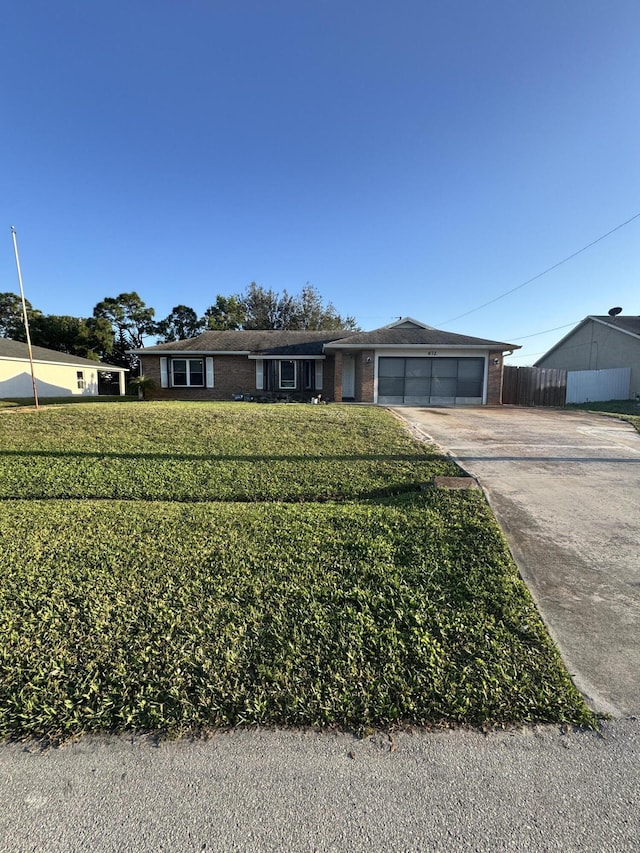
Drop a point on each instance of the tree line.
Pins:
(122, 322)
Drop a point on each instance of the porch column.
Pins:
(337, 376)
(121, 383)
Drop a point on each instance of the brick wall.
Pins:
(150, 367)
(364, 376)
(233, 374)
(494, 383)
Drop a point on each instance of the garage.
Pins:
(424, 381)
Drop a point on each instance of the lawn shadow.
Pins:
(214, 457)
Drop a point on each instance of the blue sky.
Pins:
(406, 158)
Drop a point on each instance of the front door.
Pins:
(348, 377)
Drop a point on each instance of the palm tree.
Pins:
(143, 384)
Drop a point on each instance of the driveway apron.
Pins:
(565, 488)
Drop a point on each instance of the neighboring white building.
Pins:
(57, 374)
(599, 343)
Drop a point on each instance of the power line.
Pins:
(567, 346)
(555, 329)
(540, 274)
(527, 354)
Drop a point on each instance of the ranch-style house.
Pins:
(406, 363)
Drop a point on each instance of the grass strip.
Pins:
(625, 410)
(172, 617)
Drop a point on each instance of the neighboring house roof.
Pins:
(630, 325)
(17, 350)
(625, 325)
(404, 332)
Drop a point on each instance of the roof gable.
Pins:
(407, 323)
(628, 325)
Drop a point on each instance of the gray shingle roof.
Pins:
(272, 342)
(626, 324)
(17, 349)
(405, 336)
(268, 342)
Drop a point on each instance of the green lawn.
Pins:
(332, 596)
(626, 410)
(203, 452)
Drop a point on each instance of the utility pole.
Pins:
(26, 319)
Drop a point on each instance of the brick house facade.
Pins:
(406, 363)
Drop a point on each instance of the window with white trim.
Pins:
(287, 374)
(80, 378)
(187, 372)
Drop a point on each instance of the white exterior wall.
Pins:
(52, 380)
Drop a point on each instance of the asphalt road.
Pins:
(529, 789)
(565, 487)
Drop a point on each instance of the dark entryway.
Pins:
(108, 383)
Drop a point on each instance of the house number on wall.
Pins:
(432, 352)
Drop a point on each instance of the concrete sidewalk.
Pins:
(565, 488)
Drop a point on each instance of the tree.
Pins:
(130, 321)
(227, 313)
(180, 324)
(143, 386)
(266, 309)
(88, 338)
(261, 308)
(100, 337)
(11, 316)
(288, 311)
(314, 314)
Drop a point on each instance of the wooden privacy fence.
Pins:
(534, 386)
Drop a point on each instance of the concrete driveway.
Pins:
(565, 488)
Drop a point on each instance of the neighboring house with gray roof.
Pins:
(405, 363)
(599, 343)
(57, 374)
